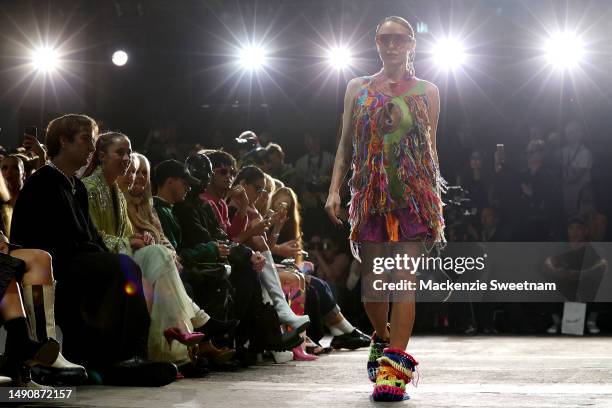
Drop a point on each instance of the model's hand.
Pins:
(332, 208)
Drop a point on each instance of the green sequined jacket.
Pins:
(108, 211)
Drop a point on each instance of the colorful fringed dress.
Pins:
(396, 183)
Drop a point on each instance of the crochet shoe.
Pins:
(376, 351)
(395, 370)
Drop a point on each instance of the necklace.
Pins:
(70, 179)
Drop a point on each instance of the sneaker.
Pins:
(592, 327)
(554, 329)
(281, 357)
(352, 341)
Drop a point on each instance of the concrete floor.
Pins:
(454, 372)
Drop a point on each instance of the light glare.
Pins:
(45, 59)
(120, 58)
(252, 57)
(564, 50)
(339, 58)
(449, 53)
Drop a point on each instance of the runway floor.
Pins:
(454, 372)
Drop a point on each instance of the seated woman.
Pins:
(320, 303)
(21, 352)
(136, 188)
(252, 180)
(170, 308)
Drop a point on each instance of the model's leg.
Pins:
(395, 367)
(403, 310)
(376, 303)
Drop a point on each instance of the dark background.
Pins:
(182, 71)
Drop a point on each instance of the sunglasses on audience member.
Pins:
(224, 171)
(397, 39)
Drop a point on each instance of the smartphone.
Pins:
(31, 131)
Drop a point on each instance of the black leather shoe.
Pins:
(214, 327)
(352, 341)
(59, 376)
(139, 372)
(287, 341)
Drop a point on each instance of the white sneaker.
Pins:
(36, 386)
(281, 357)
(592, 327)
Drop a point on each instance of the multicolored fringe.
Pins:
(395, 371)
(377, 347)
(417, 169)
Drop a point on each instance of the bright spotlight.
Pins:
(564, 50)
(45, 59)
(252, 57)
(120, 58)
(339, 58)
(449, 53)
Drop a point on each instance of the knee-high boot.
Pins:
(272, 284)
(39, 302)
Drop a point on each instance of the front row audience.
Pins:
(133, 279)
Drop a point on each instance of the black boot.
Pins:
(214, 327)
(20, 348)
(140, 372)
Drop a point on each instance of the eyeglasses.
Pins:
(399, 40)
(224, 171)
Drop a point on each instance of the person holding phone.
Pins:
(389, 140)
(31, 144)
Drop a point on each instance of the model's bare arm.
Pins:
(343, 154)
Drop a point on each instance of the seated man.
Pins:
(191, 225)
(100, 303)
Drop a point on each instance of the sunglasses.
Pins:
(397, 39)
(224, 171)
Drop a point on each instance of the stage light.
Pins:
(339, 58)
(449, 53)
(564, 50)
(120, 58)
(45, 59)
(252, 57)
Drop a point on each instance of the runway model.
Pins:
(389, 140)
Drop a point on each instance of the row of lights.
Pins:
(562, 50)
